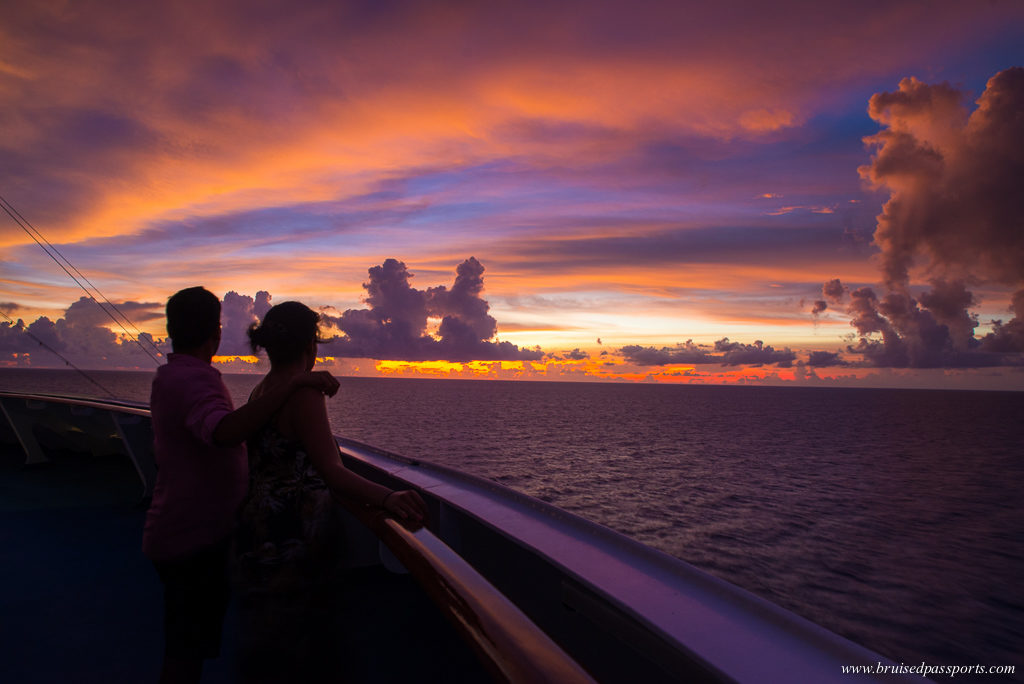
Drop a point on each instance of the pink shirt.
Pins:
(199, 486)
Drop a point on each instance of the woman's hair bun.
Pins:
(255, 333)
(286, 331)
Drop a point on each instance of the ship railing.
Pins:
(127, 421)
(508, 643)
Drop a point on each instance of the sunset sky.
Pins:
(788, 192)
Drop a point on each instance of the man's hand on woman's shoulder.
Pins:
(322, 381)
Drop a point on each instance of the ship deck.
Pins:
(81, 603)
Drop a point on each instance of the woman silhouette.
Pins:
(286, 536)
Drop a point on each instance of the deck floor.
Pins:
(80, 603)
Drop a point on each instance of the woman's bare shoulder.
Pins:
(304, 414)
(307, 397)
(303, 406)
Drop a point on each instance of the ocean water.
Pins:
(892, 517)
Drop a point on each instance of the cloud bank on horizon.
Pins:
(394, 327)
(81, 336)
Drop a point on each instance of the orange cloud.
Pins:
(763, 120)
(209, 111)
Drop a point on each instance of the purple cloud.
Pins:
(756, 354)
(821, 359)
(395, 325)
(237, 313)
(725, 352)
(688, 353)
(955, 208)
(81, 337)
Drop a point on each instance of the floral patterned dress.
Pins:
(284, 565)
(285, 532)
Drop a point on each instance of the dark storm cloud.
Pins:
(262, 304)
(82, 337)
(44, 331)
(395, 325)
(955, 203)
(13, 339)
(833, 291)
(956, 210)
(949, 302)
(576, 354)
(87, 313)
(688, 353)
(724, 352)
(1007, 337)
(461, 307)
(934, 331)
(822, 359)
(756, 354)
(237, 313)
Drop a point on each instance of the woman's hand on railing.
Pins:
(407, 505)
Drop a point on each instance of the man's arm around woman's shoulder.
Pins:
(240, 424)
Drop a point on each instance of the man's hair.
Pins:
(193, 317)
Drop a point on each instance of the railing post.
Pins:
(16, 412)
(137, 437)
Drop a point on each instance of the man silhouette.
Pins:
(202, 477)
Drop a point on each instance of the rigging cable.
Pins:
(24, 328)
(25, 225)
